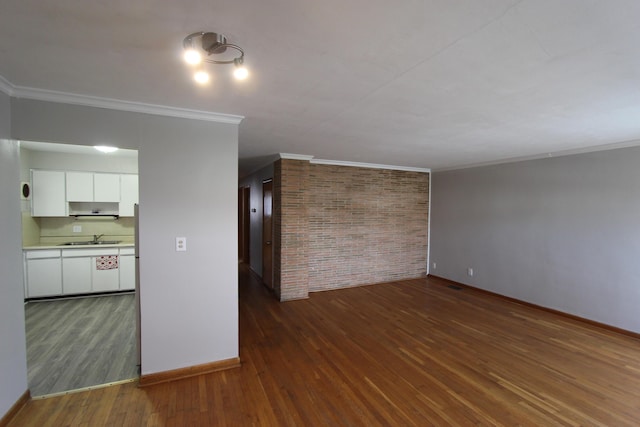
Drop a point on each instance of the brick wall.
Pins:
(290, 207)
(340, 226)
(366, 226)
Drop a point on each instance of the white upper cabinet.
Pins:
(60, 193)
(93, 187)
(48, 198)
(79, 186)
(128, 194)
(106, 187)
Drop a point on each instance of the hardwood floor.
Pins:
(82, 342)
(407, 353)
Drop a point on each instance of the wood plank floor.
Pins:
(81, 342)
(410, 353)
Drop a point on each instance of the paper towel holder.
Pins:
(25, 191)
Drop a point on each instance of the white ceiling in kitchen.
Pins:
(74, 149)
(420, 83)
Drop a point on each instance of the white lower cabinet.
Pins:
(76, 275)
(78, 271)
(81, 268)
(43, 273)
(104, 280)
(127, 272)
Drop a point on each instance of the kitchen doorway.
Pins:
(80, 271)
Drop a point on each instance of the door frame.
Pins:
(267, 243)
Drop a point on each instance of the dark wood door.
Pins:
(267, 233)
(246, 254)
(244, 223)
(240, 224)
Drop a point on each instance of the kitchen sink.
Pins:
(91, 242)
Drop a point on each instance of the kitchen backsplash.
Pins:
(53, 231)
(30, 229)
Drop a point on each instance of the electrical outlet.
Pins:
(469, 271)
(77, 229)
(181, 244)
(433, 265)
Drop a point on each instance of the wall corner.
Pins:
(291, 237)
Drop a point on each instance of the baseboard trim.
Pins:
(543, 308)
(189, 371)
(83, 389)
(13, 411)
(293, 299)
(254, 273)
(259, 279)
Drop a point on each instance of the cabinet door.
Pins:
(79, 187)
(128, 194)
(44, 277)
(48, 197)
(106, 187)
(127, 272)
(104, 280)
(76, 275)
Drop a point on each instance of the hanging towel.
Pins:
(108, 262)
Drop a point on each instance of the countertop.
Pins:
(49, 246)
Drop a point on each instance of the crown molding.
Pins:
(290, 156)
(310, 159)
(6, 87)
(561, 153)
(114, 104)
(369, 165)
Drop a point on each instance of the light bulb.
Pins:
(192, 56)
(201, 77)
(240, 73)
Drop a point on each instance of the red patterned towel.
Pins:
(109, 262)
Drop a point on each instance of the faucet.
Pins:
(97, 237)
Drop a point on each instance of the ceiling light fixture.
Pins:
(105, 148)
(201, 76)
(209, 47)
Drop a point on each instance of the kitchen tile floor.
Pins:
(78, 343)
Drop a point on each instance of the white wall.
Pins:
(254, 182)
(5, 115)
(13, 358)
(188, 188)
(563, 233)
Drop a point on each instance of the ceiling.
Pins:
(75, 149)
(419, 83)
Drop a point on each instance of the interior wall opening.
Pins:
(78, 236)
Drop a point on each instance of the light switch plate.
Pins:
(181, 244)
